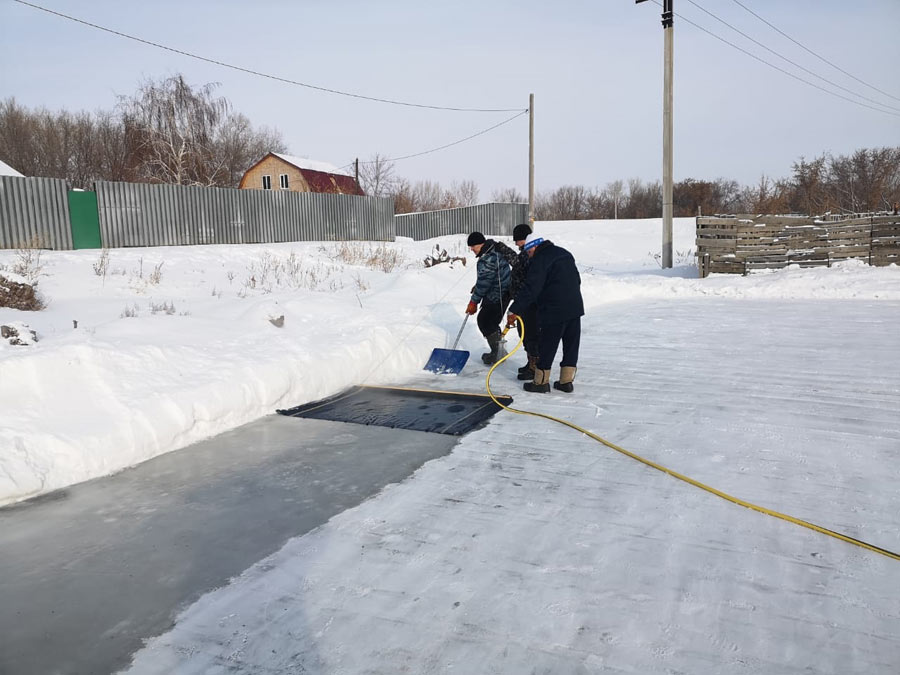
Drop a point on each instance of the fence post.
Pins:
(871, 237)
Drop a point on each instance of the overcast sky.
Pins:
(595, 68)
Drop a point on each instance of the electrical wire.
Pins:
(793, 63)
(781, 70)
(448, 145)
(259, 73)
(818, 56)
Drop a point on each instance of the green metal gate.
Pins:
(85, 219)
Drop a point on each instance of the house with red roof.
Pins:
(276, 171)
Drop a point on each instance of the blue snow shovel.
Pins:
(449, 361)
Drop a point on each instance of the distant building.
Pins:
(7, 170)
(296, 174)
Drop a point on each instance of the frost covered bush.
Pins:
(380, 257)
(269, 272)
(28, 260)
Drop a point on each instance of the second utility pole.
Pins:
(531, 160)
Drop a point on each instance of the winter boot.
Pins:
(541, 384)
(526, 372)
(566, 377)
(497, 352)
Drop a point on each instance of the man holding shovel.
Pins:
(491, 290)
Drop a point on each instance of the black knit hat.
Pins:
(474, 239)
(521, 232)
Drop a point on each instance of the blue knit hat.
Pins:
(532, 241)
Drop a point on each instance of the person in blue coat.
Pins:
(554, 285)
(491, 290)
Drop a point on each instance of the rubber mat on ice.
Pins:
(441, 412)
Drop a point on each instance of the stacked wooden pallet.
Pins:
(741, 244)
(886, 242)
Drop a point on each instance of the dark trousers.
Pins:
(567, 332)
(490, 315)
(532, 330)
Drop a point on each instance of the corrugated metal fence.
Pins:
(34, 212)
(494, 218)
(139, 214)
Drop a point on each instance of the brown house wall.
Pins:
(273, 166)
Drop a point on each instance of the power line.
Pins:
(448, 145)
(781, 70)
(793, 63)
(258, 73)
(818, 56)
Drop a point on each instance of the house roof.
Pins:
(7, 170)
(319, 181)
(320, 176)
(311, 164)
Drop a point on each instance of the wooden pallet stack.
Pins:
(741, 244)
(886, 242)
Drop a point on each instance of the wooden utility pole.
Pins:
(356, 162)
(531, 160)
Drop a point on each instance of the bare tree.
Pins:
(615, 191)
(542, 210)
(376, 176)
(599, 205)
(403, 197)
(644, 201)
(508, 196)
(167, 142)
(17, 135)
(462, 194)
(238, 146)
(809, 186)
(428, 196)
(171, 128)
(112, 148)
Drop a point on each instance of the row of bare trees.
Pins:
(378, 178)
(867, 180)
(166, 132)
(171, 132)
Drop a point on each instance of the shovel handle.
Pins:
(459, 334)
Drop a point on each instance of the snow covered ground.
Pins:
(530, 548)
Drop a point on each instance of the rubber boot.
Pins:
(541, 384)
(566, 377)
(526, 368)
(526, 372)
(494, 342)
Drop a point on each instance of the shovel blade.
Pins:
(447, 361)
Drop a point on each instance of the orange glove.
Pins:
(471, 308)
(511, 320)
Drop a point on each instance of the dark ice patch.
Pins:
(439, 412)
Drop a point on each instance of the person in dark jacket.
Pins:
(491, 290)
(553, 283)
(519, 261)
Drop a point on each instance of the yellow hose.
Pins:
(675, 474)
